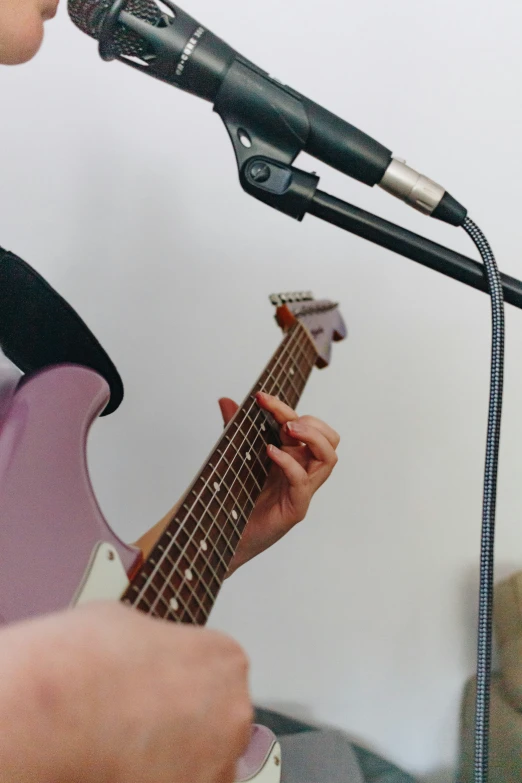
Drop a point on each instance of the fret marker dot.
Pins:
(204, 546)
(292, 371)
(189, 575)
(248, 456)
(234, 514)
(173, 605)
(263, 427)
(217, 486)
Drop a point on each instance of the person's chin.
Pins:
(49, 9)
(21, 43)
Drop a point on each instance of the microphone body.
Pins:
(190, 57)
(263, 116)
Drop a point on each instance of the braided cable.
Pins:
(487, 554)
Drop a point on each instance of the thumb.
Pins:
(228, 409)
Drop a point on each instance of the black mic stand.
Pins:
(295, 193)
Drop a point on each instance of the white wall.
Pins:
(123, 193)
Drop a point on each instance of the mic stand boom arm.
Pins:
(267, 135)
(295, 193)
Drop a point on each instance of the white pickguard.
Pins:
(104, 578)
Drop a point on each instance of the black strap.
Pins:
(38, 328)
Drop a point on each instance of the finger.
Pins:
(294, 473)
(228, 409)
(279, 409)
(281, 413)
(329, 433)
(319, 445)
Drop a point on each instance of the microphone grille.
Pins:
(89, 15)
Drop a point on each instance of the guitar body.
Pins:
(56, 549)
(51, 525)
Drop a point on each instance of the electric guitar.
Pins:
(57, 550)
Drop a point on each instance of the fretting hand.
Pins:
(304, 462)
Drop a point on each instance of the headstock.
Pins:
(321, 318)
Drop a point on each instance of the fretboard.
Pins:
(181, 578)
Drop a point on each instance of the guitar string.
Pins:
(201, 571)
(292, 343)
(153, 574)
(191, 566)
(246, 413)
(295, 337)
(231, 492)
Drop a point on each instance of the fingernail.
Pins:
(273, 449)
(293, 428)
(261, 396)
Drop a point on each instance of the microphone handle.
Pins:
(190, 57)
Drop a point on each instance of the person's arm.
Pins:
(105, 694)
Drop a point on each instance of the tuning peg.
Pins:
(297, 296)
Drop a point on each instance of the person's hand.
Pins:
(104, 694)
(305, 461)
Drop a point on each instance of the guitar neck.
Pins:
(182, 576)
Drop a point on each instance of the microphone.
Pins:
(262, 115)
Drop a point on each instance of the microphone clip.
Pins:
(268, 129)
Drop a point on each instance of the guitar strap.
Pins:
(38, 328)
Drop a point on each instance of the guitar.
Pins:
(57, 550)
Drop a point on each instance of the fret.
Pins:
(208, 507)
(247, 464)
(190, 550)
(262, 465)
(167, 576)
(229, 519)
(213, 564)
(187, 567)
(238, 475)
(216, 496)
(187, 585)
(181, 598)
(258, 425)
(157, 582)
(237, 505)
(205, 537)
(177, 586)
(298, 356)
(221, 504)
(212, 533)
(277, 390)
(245, 511)
(295, 391)
(302, 376)
(172, 606)
(288, 392)
(303, 357)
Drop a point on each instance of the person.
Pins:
(104, 693)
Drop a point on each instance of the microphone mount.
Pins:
(271, 127)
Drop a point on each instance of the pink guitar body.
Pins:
(50, 522)
(56, 548)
